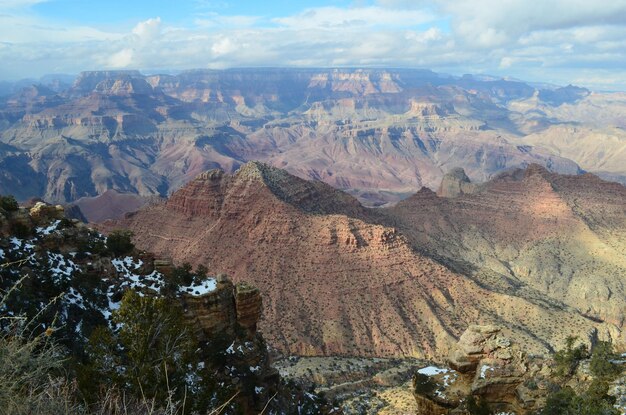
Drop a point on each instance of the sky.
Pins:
(555, 41)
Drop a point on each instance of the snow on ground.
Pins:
(49, 229)
(74, 297)
(484, 369)
(202, 288)
(1, 253)
(61, 268)
(449, 378)
(17, 243)
(231, 349)
(126, 267)
(432, 370)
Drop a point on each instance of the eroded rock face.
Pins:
(490, 367)
(225, 310)
(248, 305)
(341, 279)
(455, 183)
(381, 134)
(478, 343)
(536, 234)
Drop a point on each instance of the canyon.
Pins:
(378, 134)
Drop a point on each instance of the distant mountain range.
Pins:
(379, 134)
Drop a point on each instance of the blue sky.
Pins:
(558, 41)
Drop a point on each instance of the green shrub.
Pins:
(8, 203)
(594, 401)
(151, 352)
(119, 242)
(600, 364)
(20, 230)
(477, 406)
(567, 360)
(423, 384)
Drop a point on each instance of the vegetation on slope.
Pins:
(89, 325)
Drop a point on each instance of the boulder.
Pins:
(43, 212)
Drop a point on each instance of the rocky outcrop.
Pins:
(455, 183)
(492, 368)
(248, 305)
(226, 310)
(478, 343)
(42, 212)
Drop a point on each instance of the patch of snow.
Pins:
(449, 379)
(259, 390)
(255, 369)
(1, 253)
(127, 264)
(310, 396)
(231, 349)
(202, 288)
(484, 369)
(432, 370)
(16, 242)
(61, 268)
(74, 297)
(49, 229)
(125, 268)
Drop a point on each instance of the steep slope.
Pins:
(531, 231)
(65, 282)
(334, 279)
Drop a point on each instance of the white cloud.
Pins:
(18, 4)
(553, 40)
(342, 18)
(121, 59)
(148, 30)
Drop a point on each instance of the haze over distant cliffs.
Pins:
(538, 253)
(378, 134)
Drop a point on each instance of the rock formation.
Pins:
(226, 310)
(455, 183)
(537, 234)
(337, 278)
(379, 134)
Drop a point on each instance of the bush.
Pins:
(119, 242)
(423, 384)
(600, 364)
(567, 360)
(150, 354)
(20, 230)
(477, 407)
(8, 203)
(594, 401)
